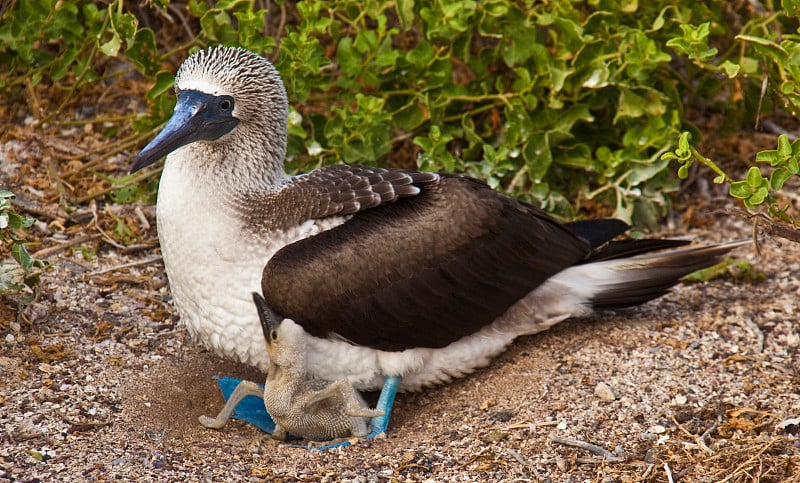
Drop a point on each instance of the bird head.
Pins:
(227, 97)
(286, 342)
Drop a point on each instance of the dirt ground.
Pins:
(99, 381)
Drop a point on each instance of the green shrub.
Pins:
(768, 56)
(566, 104)
(22, 277)
(550, 101)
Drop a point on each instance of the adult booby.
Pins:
(392, 273)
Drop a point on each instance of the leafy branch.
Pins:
(16, 279)
(755, 189)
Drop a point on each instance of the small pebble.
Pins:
(503, 416)
(651, 456)
(603, 392)
(494, 436)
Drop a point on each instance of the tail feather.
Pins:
(598, 232)
(623, 282)
(630, 248)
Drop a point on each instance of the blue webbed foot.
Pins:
(251, 410)
(379, 424)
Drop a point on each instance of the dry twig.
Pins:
(46, 252)
(593, 448)
(766, 225)
(137, 263)
(668, 472)
(742, 467)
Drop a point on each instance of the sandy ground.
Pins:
(100, 382)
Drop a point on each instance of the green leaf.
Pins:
(198, 8)
(758, 197)
(694, 43)
(405, 11)
(518, 51)
(768, 156)
(629, 6)
(421, 55)
(125, 25)
(669, 156)
(792, 7)
(411, 116)
(740, 189)
(730, 69)
(766, 46)
(778, 178)
(683, 142)
(658, 23)
(538, 156)
(349, 60)
(630, 104)
(164, 83)
(792, 166)
(21, 255)
(142, 51)
(784, 147)
(754, 177)
(749, 65)
(15, 221)
(111, 47)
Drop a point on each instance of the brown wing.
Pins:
(343, 189)
(423, 271)
(336, 190)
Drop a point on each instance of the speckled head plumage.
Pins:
(231, 106)
(251, 79)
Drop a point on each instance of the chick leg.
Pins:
(347, 394)
(244, 389)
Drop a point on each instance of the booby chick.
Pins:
(313, 409)
(408, 277)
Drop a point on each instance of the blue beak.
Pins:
(198, 117)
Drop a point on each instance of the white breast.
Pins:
(213, 263)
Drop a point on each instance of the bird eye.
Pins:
(226, 104)
(273, 335)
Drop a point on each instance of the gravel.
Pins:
(99, 381)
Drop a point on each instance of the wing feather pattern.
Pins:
(335, 190)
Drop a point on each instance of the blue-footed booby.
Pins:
(411, 277)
